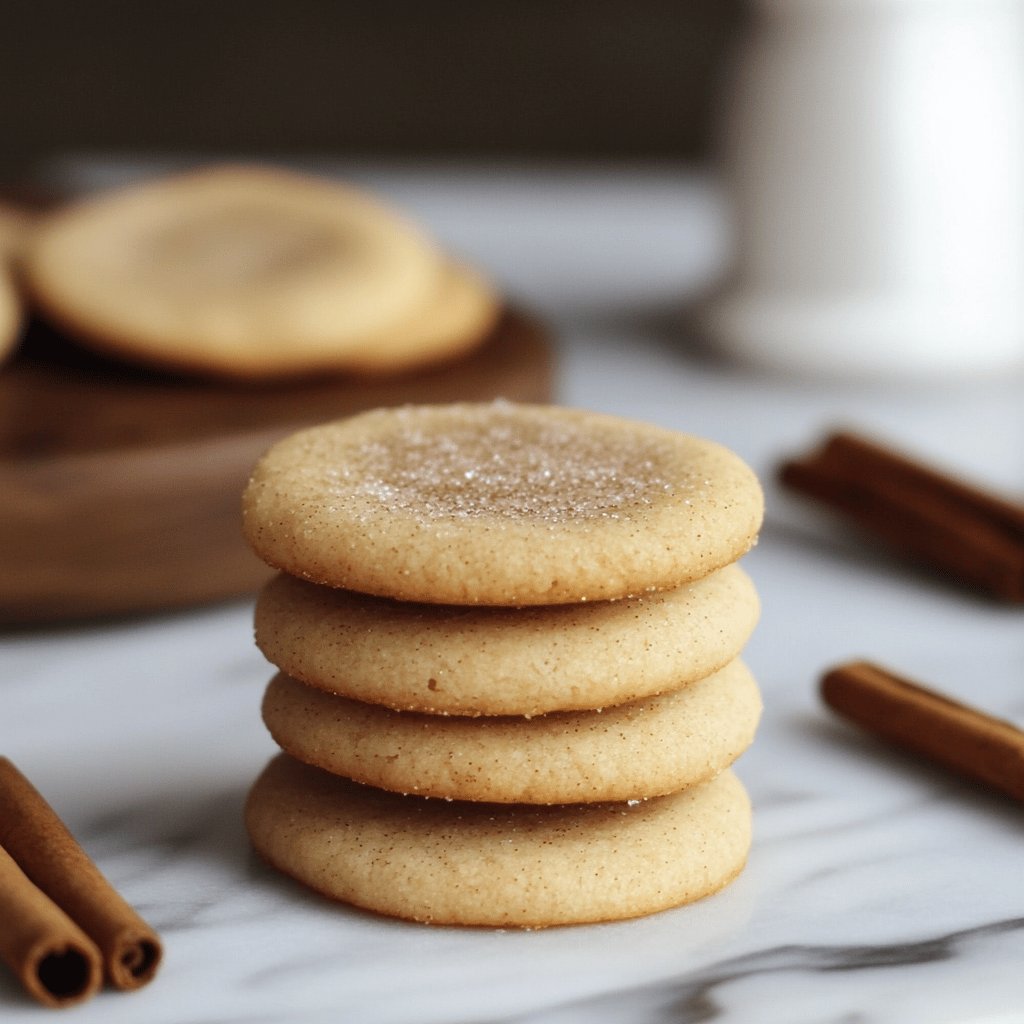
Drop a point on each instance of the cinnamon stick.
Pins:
(915, 718)
(911, 475)
(53, 958)
(970, 535)
(44, 849)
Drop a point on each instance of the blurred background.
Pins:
(398, 78)
(556, 103)
(798, 190)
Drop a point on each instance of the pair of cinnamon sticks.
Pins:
(62, 925)
(965, 533)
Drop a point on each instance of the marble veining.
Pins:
(710, 997)
(879, 890)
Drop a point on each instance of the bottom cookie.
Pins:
(448, 862)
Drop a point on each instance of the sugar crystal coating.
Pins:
(500, 504)
(509, 466)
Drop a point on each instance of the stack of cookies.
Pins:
(508, 638)
(253, 273)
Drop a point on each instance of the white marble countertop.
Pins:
(878, 890)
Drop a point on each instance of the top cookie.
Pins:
(499, 504)
(236, 271)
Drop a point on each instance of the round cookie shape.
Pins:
(236, 271)
(495, 865)
(446, 659)
(499, 504)
(634, 751)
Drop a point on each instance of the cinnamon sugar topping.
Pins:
(498, 464)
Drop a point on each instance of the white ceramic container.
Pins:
(875, 151)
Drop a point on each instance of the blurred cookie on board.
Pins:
(253, 273)
(464, 310)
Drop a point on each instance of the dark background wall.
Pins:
(604, 78)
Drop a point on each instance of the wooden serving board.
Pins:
(120, 488)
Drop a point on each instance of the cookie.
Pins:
(445, 659)
(633, 751)
(236, 271)
(499, 504)
(455, 320)
(499, 865)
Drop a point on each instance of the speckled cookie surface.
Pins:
(642, 749)
(499, 865)
(499, 504)
(239, 271)
(446, 659)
